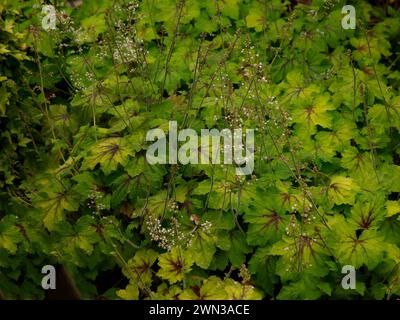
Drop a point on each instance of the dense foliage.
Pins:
(76, 189)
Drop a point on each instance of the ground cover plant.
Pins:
(77, 191)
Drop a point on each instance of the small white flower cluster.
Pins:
(247, 112)
(282, 117)
(173, 207)
(328, 74)
(278, 119)
(66, 22)
(127, 43)
(168, 237)
(222, 79)
(307, 215)
(272, 101)
(206, 226)
(132, 6)
(67, 26)
(158, 233)
(251, 64)
(95, 203)
(78, 81)
(90, 76)
(128, 50)
(234, 120)
(329, 4)
(291, 227)
(305, 211)
(102, 53)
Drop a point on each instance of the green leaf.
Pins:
(342, 190)
(54, 204)
(368, 249)
(262, 266)
(310, 114)
(367, 214)
(109, 153)
(202, 249)
(174, 265)
(238, 249)
(266, 220)
(131, 292)
(214, 288)
(230, 8)
(10, 235)
(392, 207)
(256, 19)
(82, 236)
(139, 267)
(304, 289)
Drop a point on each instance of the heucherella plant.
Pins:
(225, 149)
